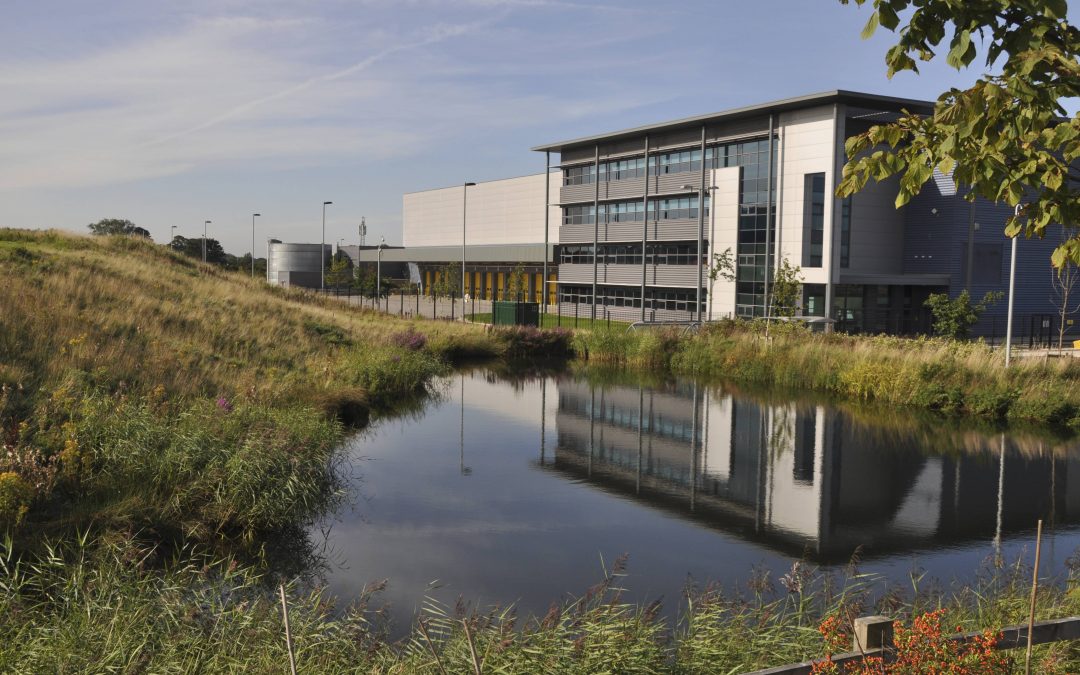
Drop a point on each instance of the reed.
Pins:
(967, 378)
(118, 605)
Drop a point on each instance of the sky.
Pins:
(172, 113)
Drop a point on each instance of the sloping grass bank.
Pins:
(928, 373)
(139, 388)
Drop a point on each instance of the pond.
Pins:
(521, 491)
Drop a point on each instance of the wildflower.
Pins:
(223, 404)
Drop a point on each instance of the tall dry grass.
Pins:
(138, 386)
(925, 373)
(118, 606)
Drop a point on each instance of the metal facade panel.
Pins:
(623, 189)
(575, 274)
(629, 231)
(673, 230)
(674, 275)
(576, 234)
(575, 194)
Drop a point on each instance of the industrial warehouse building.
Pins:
(615, 225)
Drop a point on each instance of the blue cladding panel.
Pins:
(937, 244)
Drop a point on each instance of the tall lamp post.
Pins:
(378, 270)
(1012, 292)
(205, 223)
(172, 233)
(700, 235)
(322, 250)
(464, 213)
(253, 217)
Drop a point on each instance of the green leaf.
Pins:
(1053, 179)
(1057, 258)
(1055, 9)
(903, 197)
(959, 54)
(870, 26)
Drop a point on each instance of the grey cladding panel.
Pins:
(629, 231)
(577, 155)
(619, 274)
(674, 275)
(575, 274)
(571, 194)
(623, 189)
(576, 234)
(675, 230)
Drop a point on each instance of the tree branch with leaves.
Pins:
(1006, 138)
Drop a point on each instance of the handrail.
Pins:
(690, 325)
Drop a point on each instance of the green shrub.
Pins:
(15, 498)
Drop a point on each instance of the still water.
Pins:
(520, 491)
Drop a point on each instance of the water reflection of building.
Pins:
(804, 479)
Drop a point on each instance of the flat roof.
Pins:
(835, 96)
(480, 253)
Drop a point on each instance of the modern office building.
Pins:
(628, 224)
(496, 227)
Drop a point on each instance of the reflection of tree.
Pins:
(780, 434)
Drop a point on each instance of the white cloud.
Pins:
(283, 90)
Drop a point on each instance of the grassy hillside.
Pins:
(142, 388)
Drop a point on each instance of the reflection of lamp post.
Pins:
(253, 217)
(465, 470)
(1000, 501)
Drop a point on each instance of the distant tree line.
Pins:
(191, 247)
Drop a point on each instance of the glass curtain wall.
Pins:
(754, 202)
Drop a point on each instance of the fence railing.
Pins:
(873, 637)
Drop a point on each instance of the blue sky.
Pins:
(172, 113)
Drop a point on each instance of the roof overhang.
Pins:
(871, 101)
(492, 253)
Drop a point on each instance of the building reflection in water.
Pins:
(805, 479)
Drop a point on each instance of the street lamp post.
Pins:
(464, 213)
(205, 223)
(700, 235)
(378, 270)
(253, 216)
(1012, 292)
(172, 233)
(322, 250)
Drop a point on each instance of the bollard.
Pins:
(872, 632)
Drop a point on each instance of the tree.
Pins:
(518, 283)
(107, 226)
(1063, 287)
(785, 289)
(448, 282)
(1005, 137)
(722, 267)
(193, 248)
(954, 317)
(340, 272)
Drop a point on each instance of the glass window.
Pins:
(813, 219)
